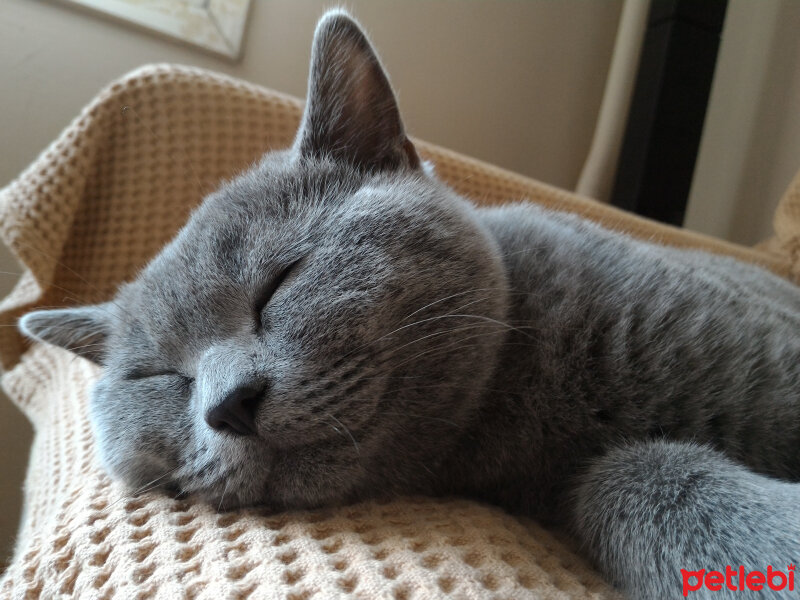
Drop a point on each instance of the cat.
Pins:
(337, 324)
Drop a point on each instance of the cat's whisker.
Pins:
(393, 350)
(491, 330)
(100, 306)
(352, 439)
(453, 316)
(75, 273)
(423, 321)
(456, 295)
(498, 322)
(441, 348)
(148, 486)
(222, 499)
(460, 344)
(427, 468)
(56, 307)
(84, 346)
(142, 489)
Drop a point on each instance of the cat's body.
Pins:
(336, 324)
(619, 340)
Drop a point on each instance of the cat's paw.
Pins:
(652, 514)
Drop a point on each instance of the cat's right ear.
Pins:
(351, 113)
(82, 330)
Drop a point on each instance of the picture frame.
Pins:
(216, 26)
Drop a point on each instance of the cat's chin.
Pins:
(229, 502)
(264, 504)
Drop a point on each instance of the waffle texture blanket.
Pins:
(85, 216)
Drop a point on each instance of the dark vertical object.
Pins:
(668, 108)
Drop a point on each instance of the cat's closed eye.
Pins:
(138, 374)
(269, 290)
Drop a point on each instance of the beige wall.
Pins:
(750, 148)
(514, 83)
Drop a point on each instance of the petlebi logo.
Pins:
(739, 579)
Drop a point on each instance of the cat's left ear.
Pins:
(351, 113)
(82, 330)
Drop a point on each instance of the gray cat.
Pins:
(337, 324)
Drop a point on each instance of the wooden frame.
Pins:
(214, 25)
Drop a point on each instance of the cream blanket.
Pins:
(85, 216)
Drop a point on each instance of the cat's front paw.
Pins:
(677, 520)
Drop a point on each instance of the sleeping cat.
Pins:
(337, 324)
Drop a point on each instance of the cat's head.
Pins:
(320, 329)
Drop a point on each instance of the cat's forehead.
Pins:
(258, 214)
(279, 188)
(267, 213)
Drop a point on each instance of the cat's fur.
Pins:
(647, 398)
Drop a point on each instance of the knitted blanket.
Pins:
(85, 216)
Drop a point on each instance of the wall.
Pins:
(750, 147)
(514, 83)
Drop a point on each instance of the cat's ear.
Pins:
(351, 113)
(81, 330)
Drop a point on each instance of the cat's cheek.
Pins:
(111, 446)
(121, 459)
(221, 468)
(138, 429)
(313, 477)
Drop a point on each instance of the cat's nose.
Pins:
(236, 413)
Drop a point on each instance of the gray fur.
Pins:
(419, 344)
